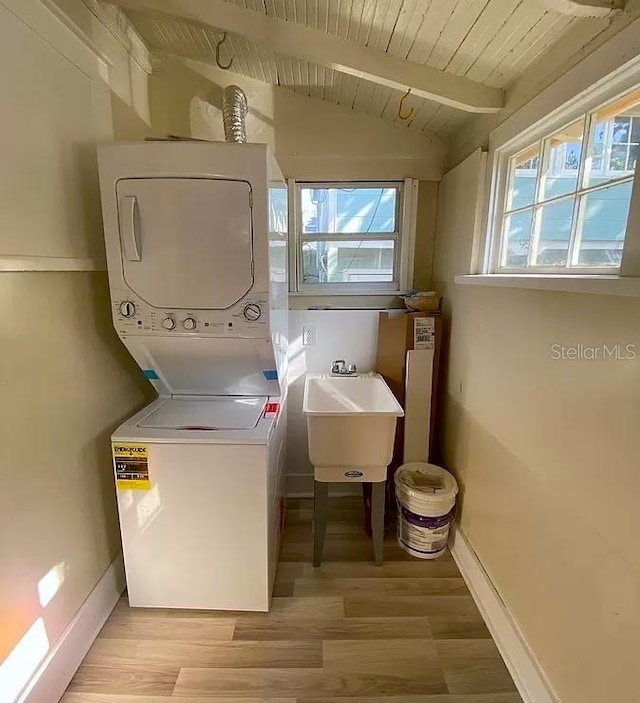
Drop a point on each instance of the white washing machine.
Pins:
(196, 239)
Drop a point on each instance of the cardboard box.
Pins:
(399, 332)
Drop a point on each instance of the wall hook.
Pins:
(218, 45)
(409, 114)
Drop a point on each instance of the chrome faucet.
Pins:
(340, 368)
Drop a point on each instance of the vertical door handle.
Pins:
(130, 227)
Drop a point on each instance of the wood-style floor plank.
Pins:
(389, 586)
(385, 605)
(404, 632)
(437, 568)
(76, 697)
(165, 628)
(430, 698)
(121, 654)
(452, 626)
(342, 549)
(319, 628)
(308, 683)
(473, 666)
(126, 680)
(436, 698)
(409, 657)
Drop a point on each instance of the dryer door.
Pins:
(186, 242)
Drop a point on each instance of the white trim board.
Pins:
(49, 682)
(49, 263)
(527, 674)
(628, 286)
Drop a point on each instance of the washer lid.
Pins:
(206, 413)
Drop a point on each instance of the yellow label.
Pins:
(131, 462)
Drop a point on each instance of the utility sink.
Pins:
(351, 424)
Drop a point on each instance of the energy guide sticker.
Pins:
(131, 462)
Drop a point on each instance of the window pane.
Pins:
(517, 232)
(348, 262)
(614, 144)
(604, 216)
(356, 210)
(564, 152)
(618, 158)
(523, 171)
(554, 222)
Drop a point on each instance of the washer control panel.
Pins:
(249, 317)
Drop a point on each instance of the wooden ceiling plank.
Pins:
(348, 91)
(270, 7)
(281, 9)
(355, 18)
(410, 21)
(390, 23)
(548, 31)
(344, 15)
(316, 80)
(464, 16)
(512, 34)
(333, 52)
(431, 31)
(479, 36)
(332, 17)
(366, 22)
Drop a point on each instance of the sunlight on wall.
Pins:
(50, 583)
(297, 360)
(24, 659)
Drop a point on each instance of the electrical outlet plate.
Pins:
(308, 335)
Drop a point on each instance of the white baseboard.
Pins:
(61, 663)
(527, 674)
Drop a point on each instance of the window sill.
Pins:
(594, 284)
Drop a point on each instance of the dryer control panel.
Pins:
(249, 318)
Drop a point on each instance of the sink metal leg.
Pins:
(377, 519)
(320, 510)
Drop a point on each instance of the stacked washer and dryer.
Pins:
(196, 240)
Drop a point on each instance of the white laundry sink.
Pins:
(351, 424)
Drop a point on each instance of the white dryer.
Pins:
(196, 239)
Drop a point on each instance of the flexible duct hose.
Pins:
(234, 111)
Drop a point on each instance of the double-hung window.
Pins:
(350, 237)
(564, 199)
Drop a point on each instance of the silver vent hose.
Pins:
(234, 111)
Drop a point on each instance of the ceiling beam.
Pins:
(585, 8)
(334, 52)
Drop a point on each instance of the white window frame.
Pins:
(404, 239)
(500, 155)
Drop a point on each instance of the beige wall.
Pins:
(65, 380)
(546, 454)
(311, 138)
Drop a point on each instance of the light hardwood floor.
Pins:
(405, 632)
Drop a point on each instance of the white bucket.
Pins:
(426, 496)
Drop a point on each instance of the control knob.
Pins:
(127, 308)
(189, 323)
(252, 312)
(168, 323)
